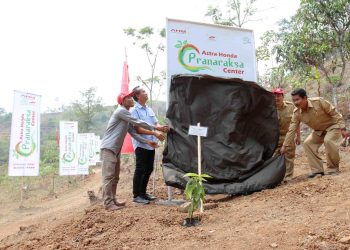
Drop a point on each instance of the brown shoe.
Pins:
(119, 203)
(113, 207)
(332, 172)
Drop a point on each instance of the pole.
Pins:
(199, 148)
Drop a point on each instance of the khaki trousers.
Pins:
(289, 156)
(110, 176)
(331, 140)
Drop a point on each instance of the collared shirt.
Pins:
(146, 114)
(320, 115)
(284, 113)
(119, 124)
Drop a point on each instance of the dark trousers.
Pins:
(143, 170)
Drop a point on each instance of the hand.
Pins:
(297, 140)
(283, 150)
(153, 144)
(161, 128)
(344, 133)
(159, 136)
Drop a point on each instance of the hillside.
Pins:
(301, 214)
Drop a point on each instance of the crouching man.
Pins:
(328, 128)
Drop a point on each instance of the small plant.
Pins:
(194, 191)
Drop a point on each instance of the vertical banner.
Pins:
(68, 148)
(97, 148)
(83, 154)
(24, 153)
(91, 148)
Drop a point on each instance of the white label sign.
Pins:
(198, 131)
(198, 48)
(92, 149)
(68, 148)
(83, 154)
(24, 155)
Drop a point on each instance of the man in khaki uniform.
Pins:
(328, 126)
(284, 113)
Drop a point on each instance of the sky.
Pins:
(58, 48)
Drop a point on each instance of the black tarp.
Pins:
(242, 134)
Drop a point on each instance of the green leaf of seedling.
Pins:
(191, 175)
(178, 46)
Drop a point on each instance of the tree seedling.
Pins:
(195, 193)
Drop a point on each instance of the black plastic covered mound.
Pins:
(242, 134)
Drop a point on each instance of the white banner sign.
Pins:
(197, 48)
(24, 157)
(83, 154)
(92, 149)
(97, 148)
(68, 148)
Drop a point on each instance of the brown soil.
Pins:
(302, 214)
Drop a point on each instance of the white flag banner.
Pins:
(68, 148)
(97, 148)
(91, 148)
(83, 154)
(24, 153)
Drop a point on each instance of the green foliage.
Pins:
(49, 152)
(86, 108)
(145, 39)
(237, 13)
(316, 37)
(194, 191)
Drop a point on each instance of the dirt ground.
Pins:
(301, 214)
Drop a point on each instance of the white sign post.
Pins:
(91, 149)
(68, 148)
(208, 49)
(199, 132)
(24, 153)
(83, 154)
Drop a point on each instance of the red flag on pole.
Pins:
(127, 145)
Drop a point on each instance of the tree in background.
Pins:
(144, 38)
(86, 108)
(315, 42)
(237, 13)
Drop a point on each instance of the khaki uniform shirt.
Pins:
(320, 115)
(285, 114)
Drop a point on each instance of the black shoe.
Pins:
(312, 175)
(140, 200)
(149, 197)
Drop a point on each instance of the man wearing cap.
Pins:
(284, 113)
(112, 142)
(328, 125)
(143, 152)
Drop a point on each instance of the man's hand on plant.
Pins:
(153, 144)
(159, 136)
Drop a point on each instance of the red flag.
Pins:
(127, 145)
(125, 79)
